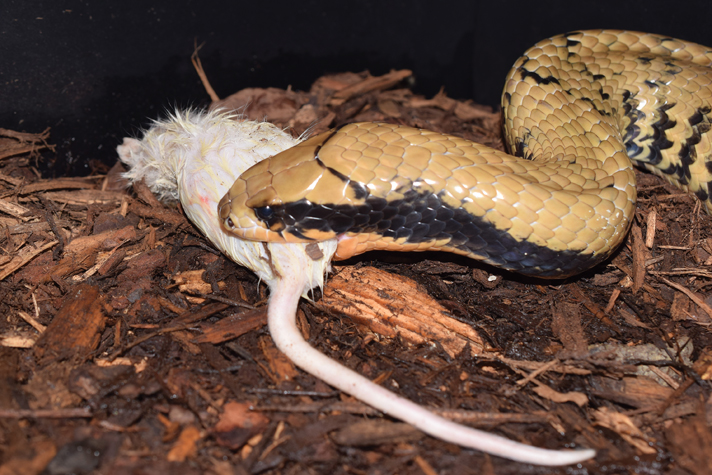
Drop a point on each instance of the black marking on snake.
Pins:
(658, 141)
(570, 43)
(424, 217)
(630, 106)
(598, 77)
(521, 149)
(360, 191)
(672, 68)
(700, 124)
(590, 101)
(538, 79)
(331, 136)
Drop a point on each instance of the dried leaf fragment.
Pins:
(186, 445)
(237, 424)
(624, 426)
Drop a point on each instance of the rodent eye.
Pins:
(229, 223)
(264, 212)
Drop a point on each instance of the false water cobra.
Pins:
(580, 109)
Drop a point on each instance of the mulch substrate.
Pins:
(128, 345)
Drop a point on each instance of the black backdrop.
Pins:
(96, 70)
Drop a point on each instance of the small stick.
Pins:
(45, 413)
(198, 65)
(650, 231)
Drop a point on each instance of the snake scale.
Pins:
(580, 110)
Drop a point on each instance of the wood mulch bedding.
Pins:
(128, 345)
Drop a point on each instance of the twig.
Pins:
(32, 321)
(45, 413)
(700, 303)
(25, 259)
(195, 59)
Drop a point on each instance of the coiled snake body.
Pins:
(579, 110)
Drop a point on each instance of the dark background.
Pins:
(96, 71)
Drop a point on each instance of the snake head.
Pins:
(293, 197)
(253, 218)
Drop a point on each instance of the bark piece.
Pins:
(233, 326)
(17, 143)
(624, 426)
(281, 367)
(270, 104)
(237, 424)
(566, 326)
(376, 432)
(690, 441)
(75, 330)
(370, 84)
(186, 446)
(29, 460)
(392, 305)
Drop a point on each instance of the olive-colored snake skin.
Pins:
(579, 110)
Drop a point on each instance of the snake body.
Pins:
(580, 110)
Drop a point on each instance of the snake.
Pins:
(580, 111)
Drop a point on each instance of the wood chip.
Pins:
(393, 306)
(376, 432)
(85, 197)
(59, 184)
(639, 257)
(463, 110)
(650, 229)
(18, 340)
(186, 445)
(690, 442)
(16, 210)
(19, 460)
(24, 257)
(624, 426)
(32, 321)
(566, 326)
(233, 326)
(547, 392)
(17, 143)
(237, 424)
(370, 84)
(700, 303)
(75, 330)
(281, 367)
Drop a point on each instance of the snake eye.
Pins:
(264, 212)
(229, 223)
